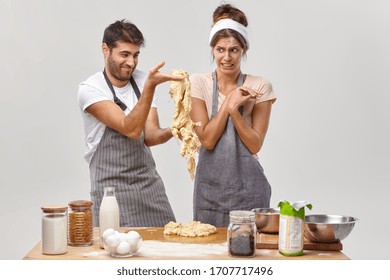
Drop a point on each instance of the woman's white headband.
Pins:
(228, 23)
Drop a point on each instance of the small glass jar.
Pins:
(54, 230)
(80, 223)
(242, 233)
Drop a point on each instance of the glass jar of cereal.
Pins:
(80, 228)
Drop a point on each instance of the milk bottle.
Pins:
(108, 214)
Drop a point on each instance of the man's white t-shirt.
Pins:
(95, 89)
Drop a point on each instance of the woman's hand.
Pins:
(239, 96)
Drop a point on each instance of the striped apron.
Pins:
(128, 165)
(228, 177)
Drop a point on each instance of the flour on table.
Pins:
(182, 125)
(151, 248)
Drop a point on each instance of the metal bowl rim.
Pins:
(275, 209)
(351, 218)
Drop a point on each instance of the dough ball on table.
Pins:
(172, 228)
(192, 229)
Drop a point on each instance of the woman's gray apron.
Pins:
(128, 165)
(228, 177)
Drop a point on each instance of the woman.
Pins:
(233, 110)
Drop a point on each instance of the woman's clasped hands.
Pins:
(239, 96)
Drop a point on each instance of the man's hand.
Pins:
(156, 77)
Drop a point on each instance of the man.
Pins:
(121, 122)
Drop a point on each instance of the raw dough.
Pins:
(172, 228)
(192, 229)
(182, 125)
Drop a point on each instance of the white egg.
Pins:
(111, 250)
(122, 236)
(108, 232)
(133, 233)
(135, 243)
(112, 241)
(133, 236)
(123, 248)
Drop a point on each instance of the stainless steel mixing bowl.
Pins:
(323, 228)
(267, 219)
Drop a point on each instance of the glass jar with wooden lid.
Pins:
(80, 227)
(54, 229)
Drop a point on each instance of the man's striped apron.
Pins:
(128, 165)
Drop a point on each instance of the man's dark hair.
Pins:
(122, 31)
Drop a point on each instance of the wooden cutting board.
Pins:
(158, 234)
(270, 241)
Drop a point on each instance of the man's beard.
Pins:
(117, 71)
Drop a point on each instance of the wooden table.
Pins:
(157, 246)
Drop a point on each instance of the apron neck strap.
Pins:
(240, 82)
(116, 99)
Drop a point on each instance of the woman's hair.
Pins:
(122, 31)
(231, 12)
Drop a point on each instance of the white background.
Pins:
(328, 141)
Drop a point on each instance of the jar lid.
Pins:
(54, 209)
(242, 216)
(80, 203)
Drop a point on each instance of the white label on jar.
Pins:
(296, 234)
(290, 234)
(54, 234)
(282, 232)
